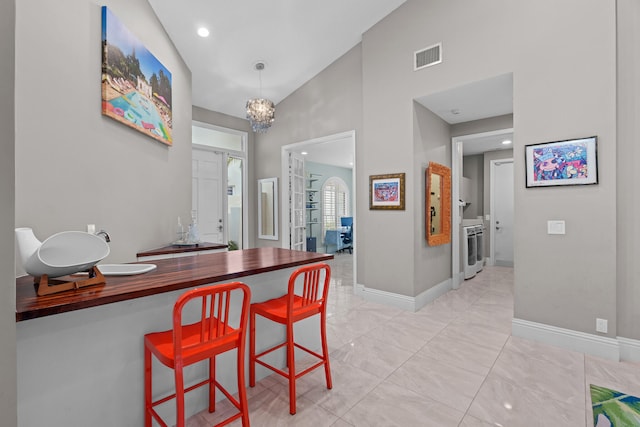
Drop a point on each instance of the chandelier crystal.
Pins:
(260, 111)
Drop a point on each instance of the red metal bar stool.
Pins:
(187, 344)
(310, 300)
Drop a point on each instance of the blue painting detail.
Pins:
(567, 161)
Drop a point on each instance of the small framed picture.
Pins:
(386, 191)
(570, 162)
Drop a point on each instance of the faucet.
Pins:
(105, 235)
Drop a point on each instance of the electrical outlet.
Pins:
(91, 228)
(601, 325)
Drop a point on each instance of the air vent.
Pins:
(427, 57)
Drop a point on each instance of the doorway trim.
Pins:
(456, 180)
(284, 188)
(244, 155)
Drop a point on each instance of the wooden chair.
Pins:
(287, 310)
(187, 344)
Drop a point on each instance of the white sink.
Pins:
(125, 269)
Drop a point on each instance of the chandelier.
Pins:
(260, 112)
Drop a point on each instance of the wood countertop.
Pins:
(170, 275)
(176, 249)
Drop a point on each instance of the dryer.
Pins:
(469, 251)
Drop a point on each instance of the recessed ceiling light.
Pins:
(203, 32)
(506, 142)
(304, 153)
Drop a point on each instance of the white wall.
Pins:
(75, 166)
(8, 377)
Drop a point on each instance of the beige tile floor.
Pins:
(453, 363)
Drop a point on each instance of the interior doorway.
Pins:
(337, 150)
(219, 190)
(207, 201)
(458, 152)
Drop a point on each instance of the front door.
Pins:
(207, 194)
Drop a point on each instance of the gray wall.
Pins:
(473, 168)
(75, 166)
(573, 278)
(328, 104)
(482, 125)
(430, 265)
(628, 194)
(8, 380)
(578, 286)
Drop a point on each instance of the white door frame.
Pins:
(243, 154)
(223, 186)
(284, 189)
(456, 180)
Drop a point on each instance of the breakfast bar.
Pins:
(80, 353)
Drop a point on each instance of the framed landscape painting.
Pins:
(386, 191)
(136, 87)
(570, 162)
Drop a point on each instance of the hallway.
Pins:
(453, 363)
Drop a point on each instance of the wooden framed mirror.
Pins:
(268, 208)
(438, 204)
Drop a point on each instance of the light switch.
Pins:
(555, 227)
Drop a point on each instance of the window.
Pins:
(335, 203)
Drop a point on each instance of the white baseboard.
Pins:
(387, 298)
(432, 294)
(403, 301)
(629, 349)
(607, 348)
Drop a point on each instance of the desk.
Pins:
(80, 353)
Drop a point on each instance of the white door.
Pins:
(502, 212)
(297, 215)
(207, 194)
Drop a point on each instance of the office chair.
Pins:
(347, 236)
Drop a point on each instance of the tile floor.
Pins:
(453, 363)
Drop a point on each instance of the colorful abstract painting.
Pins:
(136, 87)
(571, 162)
(386, 191)
(613, 408)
